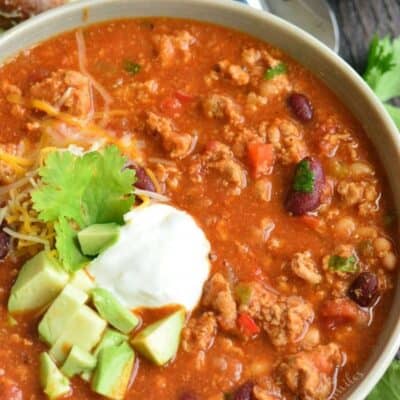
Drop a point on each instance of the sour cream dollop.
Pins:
(159, 259)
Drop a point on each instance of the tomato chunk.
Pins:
(171, 105)
(261, 157)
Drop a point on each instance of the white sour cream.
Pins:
(160, 258)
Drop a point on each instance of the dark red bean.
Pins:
(244, 392)
(188, 396)
(299, 203)
(364, 289)
(300, 106)
(143, 181)
(4, 244)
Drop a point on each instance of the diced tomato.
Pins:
(261, 157)
(171, 105)
(310, 221)
(183, 97)
(342, 311)
(248, 325)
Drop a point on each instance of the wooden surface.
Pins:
(359, 20)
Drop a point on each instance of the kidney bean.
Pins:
(244, 392)
(143, 181)
(4, 244)
(364, 289)
(300, 106)
(188, 396)
(299, 203)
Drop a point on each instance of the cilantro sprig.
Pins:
(304, 178)
(383, 72)
(272, 72)
(343, 264)
(76, 192)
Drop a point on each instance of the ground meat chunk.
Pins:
(239, 137)
(219, 158)
(199, 333)
(362, 194)
(175, 47)
(65, 89)
(235, 73)
(222, 107)
(133, 92)
(304, 267)
(257, 62)
(259, 299)
(287, 140)
(287, 321)
(218, 296)
(310, 374)
(13, 92)
(177, 144)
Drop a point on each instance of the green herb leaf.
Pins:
(383, 72)
(67, 246)
(304, 179)
(131, 67)
(76, 192)
(343, 264)
(272, 72)
(388, 387)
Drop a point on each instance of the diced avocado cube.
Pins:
(113, 311)
(77, 362)
(96, 238)
(63, 309)
(110, 338)
(40, 280)
(159, 342)
(53, 382)
(82, 280)
(113, 371)
(84, 330)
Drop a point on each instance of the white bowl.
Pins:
(323, 62)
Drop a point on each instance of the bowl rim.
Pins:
(360, 389)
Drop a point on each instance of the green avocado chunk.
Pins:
(84, 330)
(82, 280)
(96, 238)
(53, 382)
(113, 371)
(113, 311)
(63, 309)
(159, 342)
(38, 283)
(110, 338)
(77, 362)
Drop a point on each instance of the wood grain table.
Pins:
(359, 20)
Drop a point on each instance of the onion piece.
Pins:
(82, 58)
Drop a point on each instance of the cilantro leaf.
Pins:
(108, 195)
(383, 72)
(131, 67)
(63, 184)
(304, 178)
(67, 246)
(76, 192)
(388, 387)
(272, 72)
(343, 264)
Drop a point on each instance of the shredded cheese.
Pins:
(153, 178)
(27, 238)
